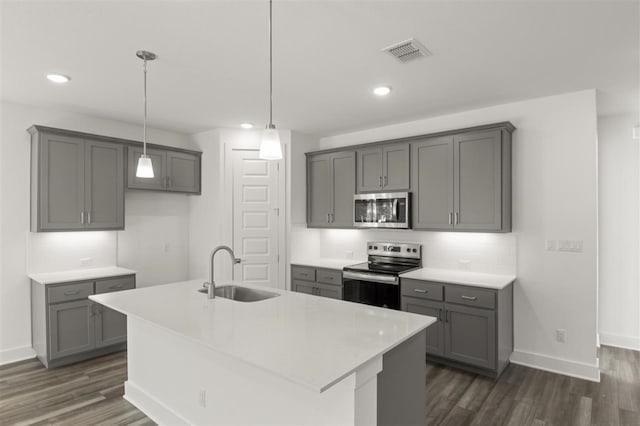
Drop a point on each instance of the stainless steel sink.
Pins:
(241, 294)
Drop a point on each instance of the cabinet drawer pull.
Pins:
(417, 290)
(71, 293)
(115, 286)
(469, 297)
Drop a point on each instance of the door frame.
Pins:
(227, 193)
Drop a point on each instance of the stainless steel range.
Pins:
(377, 282)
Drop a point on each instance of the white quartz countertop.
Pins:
(451, 276)
(79, 274)
(310, 340)
(324, 262)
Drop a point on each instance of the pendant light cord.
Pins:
(270, 65)
(144, 132)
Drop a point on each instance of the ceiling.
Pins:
(212, 67)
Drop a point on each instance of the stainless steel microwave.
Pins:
(382, 210)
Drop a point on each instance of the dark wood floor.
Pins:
(90, 393)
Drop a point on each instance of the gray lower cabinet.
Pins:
(383, 168)
(330, 189)
(68, 327)
(76, 183)
(474, 326)
(462, 182)
(317, 281)
(174, 171)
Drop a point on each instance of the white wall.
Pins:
(618, 163)
(167, 215)
(554, 197)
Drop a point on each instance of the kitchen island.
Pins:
(292, 359)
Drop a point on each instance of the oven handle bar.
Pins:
(384, 279)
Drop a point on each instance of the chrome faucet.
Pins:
(211, 283)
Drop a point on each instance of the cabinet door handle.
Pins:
(469, 297)
(380, 178)
(450, 218)
(88, 218)
(456, 216)
(446, 315)
(81, 218)
(417, 290)
(440, 315)
(386, 180)
(71, 293)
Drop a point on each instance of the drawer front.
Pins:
(115, 284)
(422, 289)
(68, 292)
(303, 273)
(329, 276)
(470, 296)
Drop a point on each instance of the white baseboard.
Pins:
(619, 341)
(7, 356)
(557, 365)
(150, 406)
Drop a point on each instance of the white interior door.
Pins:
(255, 218)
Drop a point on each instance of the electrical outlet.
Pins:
(202, 398)
(550, 245)
(561, 335)
(86, 261)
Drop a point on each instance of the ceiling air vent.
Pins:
(407, 50)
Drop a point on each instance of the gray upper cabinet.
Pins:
(76, 183)
(159, 179)
(174, 171)
(330, 189)
(478, 183)
(432, 170)
(462, 182)
(383, 168)
(104, 185)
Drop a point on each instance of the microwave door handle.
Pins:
(395, 209)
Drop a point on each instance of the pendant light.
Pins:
(145, 167)
(270, 148)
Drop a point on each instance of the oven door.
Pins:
(371, 289)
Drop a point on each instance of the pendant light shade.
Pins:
(145, 167)
(270, 148)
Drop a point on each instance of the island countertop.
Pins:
(310, 340)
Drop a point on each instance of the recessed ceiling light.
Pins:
(246, 125)
(58, 78)
(382, 90)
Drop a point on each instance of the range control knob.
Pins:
(375, 247)
(409, 250)
(370, 247)
(415, 251)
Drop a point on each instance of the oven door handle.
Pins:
(376, 278)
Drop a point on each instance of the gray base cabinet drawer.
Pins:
(329, 276)
(317, 281)
(303, 273)
(115, 284)
(68, 327)
(422, 289)
(68, 292)
(471, 296)
(474, 327)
